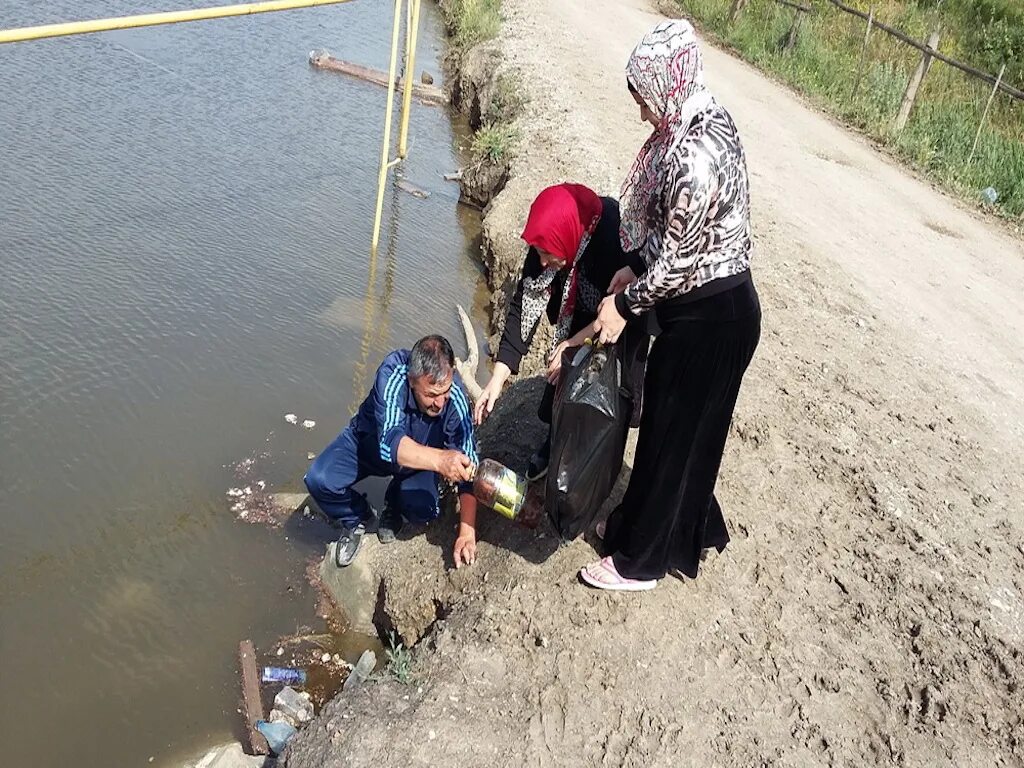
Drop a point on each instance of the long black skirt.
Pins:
(669, 512)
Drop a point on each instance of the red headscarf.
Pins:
(559, 218)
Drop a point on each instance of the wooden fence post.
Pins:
(794, 30)
(737, 8)
(984, 115)
(863, 55)
(915, 83)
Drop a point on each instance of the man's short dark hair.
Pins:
(432, 356)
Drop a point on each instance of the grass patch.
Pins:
(471, 21)
(495, 143)
(508, 100)
(824, 65)
(399, 665)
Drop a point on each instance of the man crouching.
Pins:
(415, 426)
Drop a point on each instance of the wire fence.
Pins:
(890, 78)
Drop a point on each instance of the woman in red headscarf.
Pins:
(574, 251)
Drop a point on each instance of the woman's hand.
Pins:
(491, 393)
(555, 361)
(609, 323)
(620, 280)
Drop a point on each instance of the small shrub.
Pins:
(494, 143)
(399, 665)
(471, 21)
(508, 100)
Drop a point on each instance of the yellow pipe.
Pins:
(412, 32)
(386, 148)
(154, 19)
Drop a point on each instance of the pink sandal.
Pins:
(603, 575)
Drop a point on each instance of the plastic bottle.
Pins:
(498, 487)
(284, 675)
(277, 734)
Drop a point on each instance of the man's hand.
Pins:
(455, 466)
(621, 280)
(609, 323)
(465, 547)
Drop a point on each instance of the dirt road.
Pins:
(869, 609)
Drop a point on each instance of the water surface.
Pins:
(184, 220)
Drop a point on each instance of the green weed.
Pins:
(495, 143)
(399, 665)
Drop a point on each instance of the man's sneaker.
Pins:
(347, 548)
(389, 524)
(538, 466)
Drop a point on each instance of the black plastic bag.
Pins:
(590, 421)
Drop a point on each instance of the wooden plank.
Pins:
(794, 30)
(966, 68)
(736, 9)
(428, 94)
(910, 95)
(252, 705)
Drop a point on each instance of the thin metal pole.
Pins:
(863, 55)
(412, 33)
(385, 164)
(984, 115)
(154, 19)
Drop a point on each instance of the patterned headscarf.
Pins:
(561, 221)
(667, 71)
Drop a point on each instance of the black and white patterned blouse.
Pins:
(700, 223)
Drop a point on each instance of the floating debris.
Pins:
(296, 707)
(308, 424)
(253, 502)
(277, 735)
(291, 418)
(284, 675)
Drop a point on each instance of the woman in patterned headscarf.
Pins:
(686, 206)
(574, 251)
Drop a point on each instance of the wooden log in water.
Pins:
(252, 705)
(412, 189)
(428, 94)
